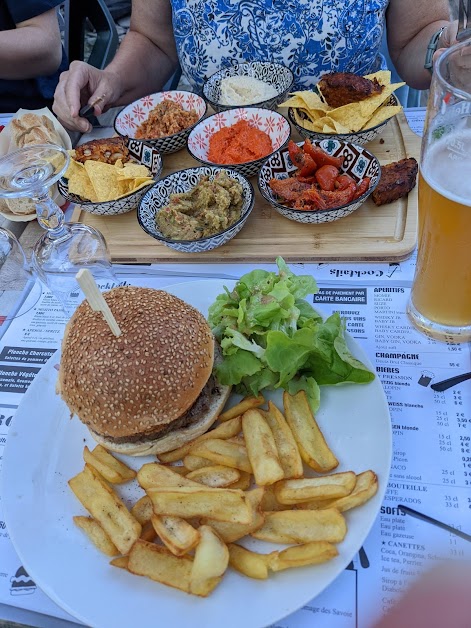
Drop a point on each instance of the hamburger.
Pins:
(149, 390)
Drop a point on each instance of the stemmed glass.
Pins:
(65, 247)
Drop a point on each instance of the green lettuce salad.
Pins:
(272, 338)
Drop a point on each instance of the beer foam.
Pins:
(447, 166)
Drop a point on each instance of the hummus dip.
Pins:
(245, 90)
(209, 208)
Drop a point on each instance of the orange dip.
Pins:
(239, 143)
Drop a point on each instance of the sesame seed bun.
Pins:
(141, 392)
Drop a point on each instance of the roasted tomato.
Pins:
(305, 163)
(338, 197)
(326, 177)
(320, 157)
(343, 181)
(362, 187)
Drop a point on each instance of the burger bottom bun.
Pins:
(174, 439)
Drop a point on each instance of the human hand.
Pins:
(80, 85)
(458, 70)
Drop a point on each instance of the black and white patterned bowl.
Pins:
(357, 162)
(131, 117)
(276, 75)
(358, 137)
(183, 181)
(271, 122)
(142, 154)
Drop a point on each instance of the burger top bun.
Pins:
(141, 381)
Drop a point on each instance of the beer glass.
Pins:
(440, 301)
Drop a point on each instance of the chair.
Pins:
(88, 25)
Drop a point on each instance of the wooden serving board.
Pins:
(386, 233)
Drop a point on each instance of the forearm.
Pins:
(142, 67)
(26, 53)
(409, 61)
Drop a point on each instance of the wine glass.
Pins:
(15, 274)
(65, 248)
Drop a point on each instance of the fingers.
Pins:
(80, 85)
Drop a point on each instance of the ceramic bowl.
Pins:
(140, 153)
(357, 162)
(274, 74)
(271, 122)
(131, 117)
(359, 137)
(183, 181)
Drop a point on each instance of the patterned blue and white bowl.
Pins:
(276, 75)
(271, 122)
(357, 162)
(358, 137)
(128, 119)
(141, 154)
(183, 181)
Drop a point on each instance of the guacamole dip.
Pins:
(209, 208)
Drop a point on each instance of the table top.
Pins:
(430, 456)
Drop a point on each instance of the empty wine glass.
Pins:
(15, 274)
(65, 247)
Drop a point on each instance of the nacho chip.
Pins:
(132, 171)
(381, 114)
(104, 180)
(79, 182)
(383, 77)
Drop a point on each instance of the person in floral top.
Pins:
(312, 37)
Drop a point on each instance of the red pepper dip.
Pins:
(238, 144)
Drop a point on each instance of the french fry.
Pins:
(216, 476)
(210, 562)
(248, 563)
(270, 503)
(181, 470)
(239, 440)
(366, 486)
(176, 534)
(285, 442)
(320, 488)
(261, 449)
(142, 509)
(106, 507)
(112, 469)
(230, 532)
(244, 482)
(241, 407)
(153, 474)
(300, 555)
(293, 526)
(157, 563)
(97, 535)
(223, 452)
(121, 562)
(222, 504)
(193, 463)
(225, 430)
(311, 442)
(148, 533)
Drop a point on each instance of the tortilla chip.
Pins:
(79, 182)
(383, 77)
(381, 114)
(104, 180)
(133, 171)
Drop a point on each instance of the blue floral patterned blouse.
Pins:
(312, 37)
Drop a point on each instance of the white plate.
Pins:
(44, 451)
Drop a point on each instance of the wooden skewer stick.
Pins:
(96, 300)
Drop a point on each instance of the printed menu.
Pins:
(431, 467)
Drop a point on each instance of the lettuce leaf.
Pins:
(271, 337)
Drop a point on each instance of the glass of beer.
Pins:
(440, 301)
